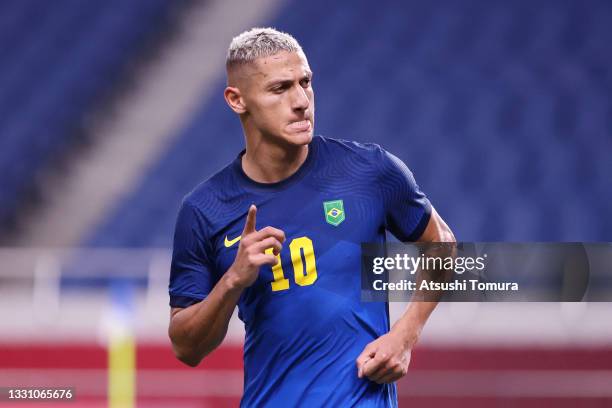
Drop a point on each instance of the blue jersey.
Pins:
(305, 324)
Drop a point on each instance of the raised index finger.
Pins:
(249, 225)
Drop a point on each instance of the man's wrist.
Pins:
(409, 331)
(232, 281)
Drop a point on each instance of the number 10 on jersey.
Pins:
(304, 269)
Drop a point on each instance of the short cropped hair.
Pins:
(257, 43)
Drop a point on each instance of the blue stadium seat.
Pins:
(56, 58)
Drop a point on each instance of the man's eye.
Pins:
(305, 82)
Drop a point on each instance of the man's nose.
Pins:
(300, 99)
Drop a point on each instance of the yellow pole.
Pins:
(121, 370)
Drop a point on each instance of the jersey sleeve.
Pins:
(407, 209)
(191, 274)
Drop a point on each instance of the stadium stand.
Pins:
(60, 60)
(502, 110)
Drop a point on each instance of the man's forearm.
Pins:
(410, 325)
(198, 329)
(441, 241)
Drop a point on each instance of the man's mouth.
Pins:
(301, 126)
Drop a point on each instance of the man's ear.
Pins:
(234, 99)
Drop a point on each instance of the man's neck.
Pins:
(270, 163)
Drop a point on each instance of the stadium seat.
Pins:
(56, 60)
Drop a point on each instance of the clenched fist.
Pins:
(384, 360)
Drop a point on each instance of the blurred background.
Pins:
(111, 111)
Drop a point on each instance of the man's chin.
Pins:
(299, 138)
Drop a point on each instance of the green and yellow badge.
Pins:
(334, 212)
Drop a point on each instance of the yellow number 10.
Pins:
(302, 278)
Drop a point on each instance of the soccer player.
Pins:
(278, 231)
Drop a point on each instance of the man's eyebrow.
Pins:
(286, 81)
(275, 82)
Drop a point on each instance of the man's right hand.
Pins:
(252, 251)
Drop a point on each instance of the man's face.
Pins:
(278, 97)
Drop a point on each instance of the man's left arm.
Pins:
(387, 358)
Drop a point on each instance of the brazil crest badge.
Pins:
(334, 212)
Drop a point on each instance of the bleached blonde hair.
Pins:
(257, 43)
